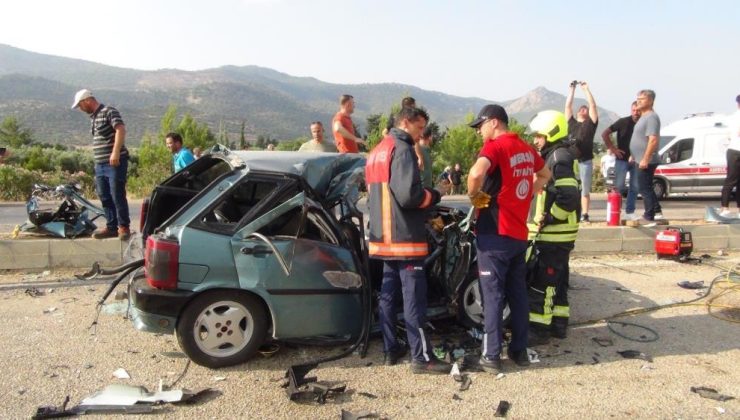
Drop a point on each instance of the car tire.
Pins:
(470, 308)
(659, 188)
(222, 328)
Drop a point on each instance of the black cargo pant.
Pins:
(547, 278)
(733, 178)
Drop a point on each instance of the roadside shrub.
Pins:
(16, 183)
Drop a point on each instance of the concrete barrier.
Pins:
(37, 254)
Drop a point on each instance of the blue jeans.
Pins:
(110, 183)
(645, 183)
(502, 274)
(408, 278)
(621, 168)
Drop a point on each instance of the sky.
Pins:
(686, 51)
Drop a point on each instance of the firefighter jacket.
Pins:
(557, 208)
(397, 200)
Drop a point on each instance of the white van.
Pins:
(693, 155)
(693, 152)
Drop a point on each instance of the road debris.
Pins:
(50, 310)
(710, 393)
(502, 409)
(691, 284)
(121, 373)
(603, 341)
(634, 354)
(364, 414)
(34, 292)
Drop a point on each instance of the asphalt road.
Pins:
(677, 207)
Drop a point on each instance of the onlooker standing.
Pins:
(733, 164)
(181, 155)
(425, 147)
(504, 169)
(582, 128)
(4, 153)
(644, 149)
(623, 164)
(317, 143)
(398, 206)
(111, 164)
(344, 131)
(456, 179)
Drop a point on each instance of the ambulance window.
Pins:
(682, 150)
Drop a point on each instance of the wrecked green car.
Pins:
(246, 247)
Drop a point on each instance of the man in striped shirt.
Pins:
(111, 163)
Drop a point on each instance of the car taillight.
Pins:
(161, 260)
(143, 213)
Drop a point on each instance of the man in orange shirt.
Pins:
(344, 131)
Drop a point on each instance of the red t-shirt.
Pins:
(344, 145)
(509, 182)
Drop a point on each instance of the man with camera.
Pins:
(582, 128)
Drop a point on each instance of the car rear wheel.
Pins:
(470, 302)
(222, 328)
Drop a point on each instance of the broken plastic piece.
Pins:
(603, 341)
(368, 395)
(465, 383)
(502, 409)
(121, 373)
(456, 397)
(634, 354)
(455, 371)
(364, 414)
(691, 284)
(710, 393)
(533, 356)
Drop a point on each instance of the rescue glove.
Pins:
(437, 223)
(480, 200)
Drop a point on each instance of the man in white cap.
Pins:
(111, 163)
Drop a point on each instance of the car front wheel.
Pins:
(222, 328)
(470, 302)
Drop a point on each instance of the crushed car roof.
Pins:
(331, 175)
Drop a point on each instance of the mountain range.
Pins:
(38, 89)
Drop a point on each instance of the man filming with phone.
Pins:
(581, 128)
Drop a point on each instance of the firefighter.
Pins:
(553, 228)
(398, 204)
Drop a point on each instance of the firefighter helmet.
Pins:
(550, 124)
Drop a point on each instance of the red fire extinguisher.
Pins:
(614, 208)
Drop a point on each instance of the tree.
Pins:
(242, 137)
(460, 145)
(13, 134)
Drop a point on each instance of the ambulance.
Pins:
(693, 155)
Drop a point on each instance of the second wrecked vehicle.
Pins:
(243, 247)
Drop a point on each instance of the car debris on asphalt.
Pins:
(710, 393)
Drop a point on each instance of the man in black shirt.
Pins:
(624, 164)
(456, 179)
(582, 128)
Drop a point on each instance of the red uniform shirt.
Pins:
(509, 181)
(344, 145)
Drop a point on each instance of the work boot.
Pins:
(433, 367)
(559, 331)
(392, 357)
(520, 357)
(490, 365)
(124, 233)
(538, 337)
(103, 233)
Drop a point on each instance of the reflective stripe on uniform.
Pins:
(385, 204)
(546, 316)
(558, 213)
(566, 182)
(561, 311)
(408, 249)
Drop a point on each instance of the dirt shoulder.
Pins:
(49, 355)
